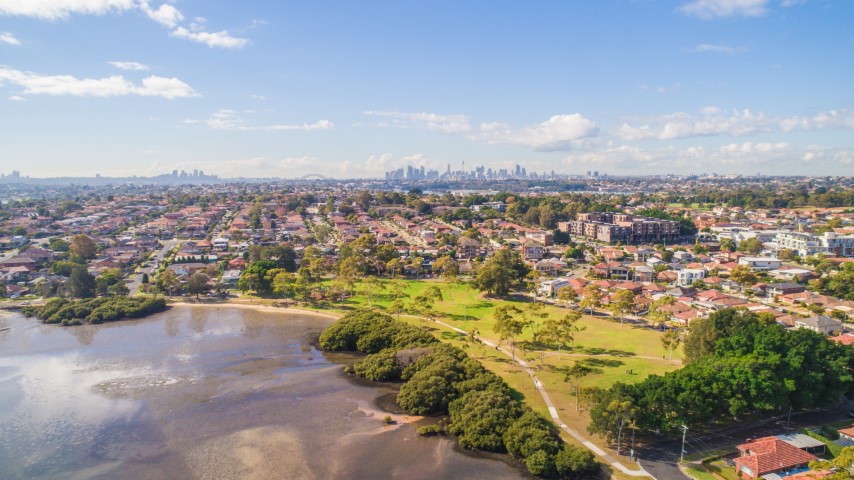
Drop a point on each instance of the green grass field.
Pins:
(610, 348)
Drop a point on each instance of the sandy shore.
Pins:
(253, 306)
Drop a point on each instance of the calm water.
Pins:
(200, 392)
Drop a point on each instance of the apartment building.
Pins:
(620, 227)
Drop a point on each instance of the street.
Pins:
(135, 279)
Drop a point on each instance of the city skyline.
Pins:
(262, 89)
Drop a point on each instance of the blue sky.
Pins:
(352, 89)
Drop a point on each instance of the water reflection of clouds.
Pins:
(57, 400)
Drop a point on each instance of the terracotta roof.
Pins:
(845, 339)
(770, 454)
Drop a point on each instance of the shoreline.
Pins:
(250, 306)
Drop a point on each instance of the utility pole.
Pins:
(789, 418)
(684, 432)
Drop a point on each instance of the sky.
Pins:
(352, 89)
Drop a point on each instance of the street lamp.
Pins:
(684, 432)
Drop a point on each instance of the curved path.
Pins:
(553, 411)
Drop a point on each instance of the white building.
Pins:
(688, 276)
(810, 244)
(760, 263)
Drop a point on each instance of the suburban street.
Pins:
(135, 280)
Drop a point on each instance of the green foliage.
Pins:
(96, 310)
(442, 378)
(481, 418)
(840, 285)
(379, 367)
(572, 462)
(529, 434)
(739, 364)
(80, 284)
(500, 273)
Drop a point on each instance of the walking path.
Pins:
(553, 411)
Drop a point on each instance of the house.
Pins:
(230, 277)
(468, 248)
(532, 250)
(770, 455)
(687, 276)
(549, 288)
(760, 263)
(784, 288)
(819, 323)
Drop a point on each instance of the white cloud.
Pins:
(559, 132)
(165, 14)
(556, 133)
(225, 119)
(831, 119)
(776, 158)
(9, 39)
(712, 48)
(710, 9)
(220, 39)
(115, 85)
(61, 9)
(129, 65)
(453, 123)
(17, 98)
(682, 125)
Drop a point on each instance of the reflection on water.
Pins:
(201, 393)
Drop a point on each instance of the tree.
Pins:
(612, 411)
(622, 303)
(81, 284)
(750, 246)
(508, 326)
(197, 283)
(567, 294)
(576, 372)
(559, 331)
(533, 314)
(786, 254)
(660, 312)
(3, 290)
(671, 341)
(283, 284)
(500, 273)
(422, 305)
(371, 287)
(839, 468)
(592, 297)
(447, 266)
(58, 245)
(145, 279)
(348, 270)
(107, 279)
(395, 266)
(83, 247)
(743, 275)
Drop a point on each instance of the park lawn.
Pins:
(466, 308)
(523, 389)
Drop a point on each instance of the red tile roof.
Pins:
(770, 454)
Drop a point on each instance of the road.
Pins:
(660, 459)
(135, 280)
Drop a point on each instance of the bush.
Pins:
(95, 310)
(572, 461)
(440, 378)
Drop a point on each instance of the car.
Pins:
(25, 303)
(851, 414)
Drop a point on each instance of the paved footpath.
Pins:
(553, 412)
